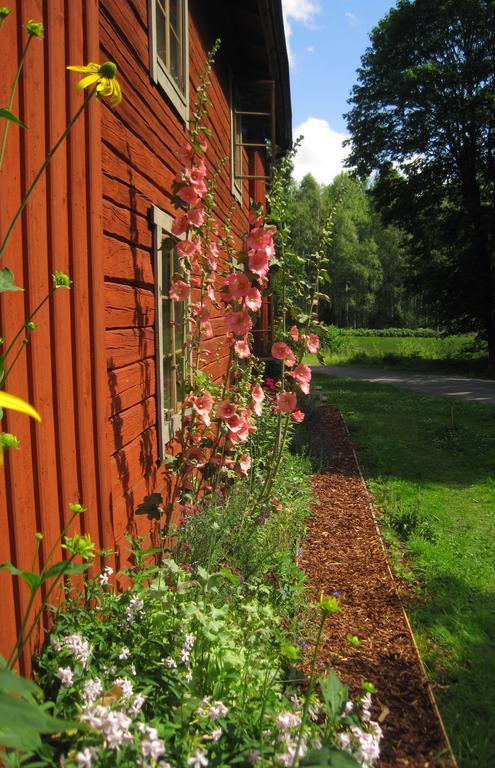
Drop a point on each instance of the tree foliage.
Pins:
(423, 116)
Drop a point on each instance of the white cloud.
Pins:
(302, 11)
(352, 18)
(321, 152)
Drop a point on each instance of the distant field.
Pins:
(449, 354)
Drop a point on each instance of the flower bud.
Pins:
(329, 604)
(61, 280)
(35, 29)
(38, 536)
(108, 69)
(78, 508)
(8, 441)
(30, 325)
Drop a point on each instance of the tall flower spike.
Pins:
(104, 77)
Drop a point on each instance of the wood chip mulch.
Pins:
(344, 554)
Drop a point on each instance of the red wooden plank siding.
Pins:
(140, 142)
(62, 459)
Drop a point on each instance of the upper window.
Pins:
(169, 330)
(169, 50)
(237, 152)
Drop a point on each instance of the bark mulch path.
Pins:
(344, 553)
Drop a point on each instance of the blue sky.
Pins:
(326, 39)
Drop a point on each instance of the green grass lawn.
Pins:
(430, 466)
(449, 354)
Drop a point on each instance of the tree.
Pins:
(423, 116)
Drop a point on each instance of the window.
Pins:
(169, 330)
(169, 50)
(236, 150)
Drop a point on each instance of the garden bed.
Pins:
(344, 554)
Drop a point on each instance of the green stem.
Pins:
(25, 325)
(23, 641)
(42, 170)
(12, 97)
(311, 684)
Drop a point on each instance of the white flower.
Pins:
(216, 734)
(124, 653)
(84, 759)
(199, 759)
(135, 608)
(126, 686)
(92, 689)
(349, 707)
(189, 677)
(65, 675)
(78, 646)
(287, 720)
(217, 709)
(137, 704)
(104, 576)
(153, 748)
(170, 663)
(132, 670)
(114, 725)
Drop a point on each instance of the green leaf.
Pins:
(334, 694)
(31, 579)
(65, 568)
(8, 115)
(23, 739)
(7, 281)
(13, 683)
(16, 715)
(232, 577)
(329, 758)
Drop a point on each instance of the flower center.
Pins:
(108, 69)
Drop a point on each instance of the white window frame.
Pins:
(237, 184)
(159, 72)
(168, 424)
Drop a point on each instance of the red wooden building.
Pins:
(98, 214)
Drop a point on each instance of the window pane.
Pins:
(166, 327)
(179, 325)
(161, 23)
(167, 383)
(175, 9)
(175, 56)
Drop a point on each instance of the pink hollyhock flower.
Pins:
(238, 323)
(203, 405)
(253, 299)
(245, 463)
(185, 154)
(312, 343)
(286, 402)
(280, 351)
(207, 329)
(258, 263)
(241, 436)
(179, 291)
(302, 376)
(196, 216)
(197, 456)
(261, 238)
(189, 195)
(187, 247)
(257, 396)
(198, 172)
(298, 416)
(238, 284)
(235, 423)
(180, 225)
(242, 348)
(254, 218)
(294, 333)
(226, 409)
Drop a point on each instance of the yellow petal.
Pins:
(16, 404)
(88, 80)
(87, 69)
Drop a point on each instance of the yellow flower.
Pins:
(103, 76)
